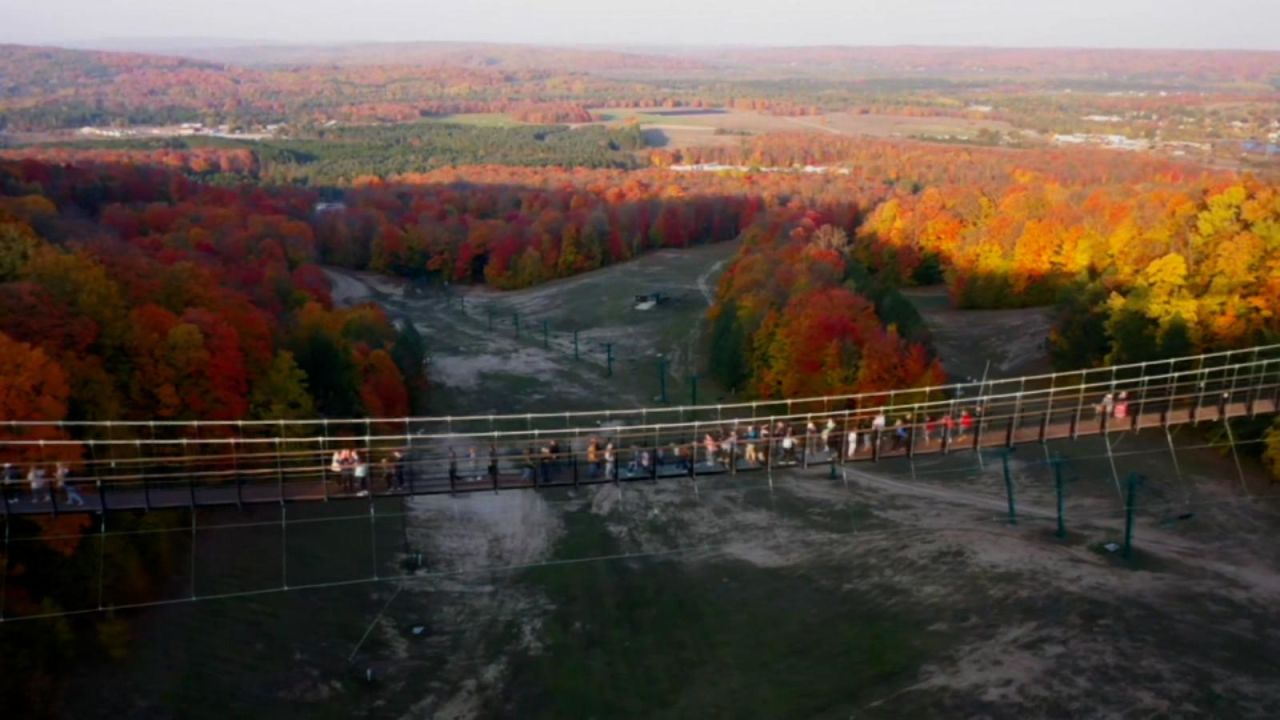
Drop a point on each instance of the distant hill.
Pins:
(1154, 65)
(43, 88)
(1150, 65)
(471, 55)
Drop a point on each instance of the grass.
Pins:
(479, 119)
(680, 639)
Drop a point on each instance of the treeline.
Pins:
(915, 165)
(133, 293)
(1140, 270)
(798, 316)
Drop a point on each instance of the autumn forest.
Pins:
(154, 271)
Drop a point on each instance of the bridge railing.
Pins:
(207, 462)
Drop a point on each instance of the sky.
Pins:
(1235, 24)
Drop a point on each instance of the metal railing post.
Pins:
(1131, 498)
(280, 472)
(97, 479)
(146, 481)
(1048, 410)
(1075, 417)
(1230, 395)
(235, 465)
(912, 428)
(191, 487)
(769, 460)
(324, 476)
(1135, 421)
(1255, 385)
(1013, 419)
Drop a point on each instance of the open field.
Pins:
(1011, 341)
(478, 119)
(478, 370)
(698, 130)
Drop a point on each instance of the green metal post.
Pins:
(575, 344)
(693, 390)
(608, 356)
(545, 342)
(1008, 487)
(1131, 498)
(1057, 483)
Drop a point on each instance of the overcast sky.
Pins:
(1083, 23)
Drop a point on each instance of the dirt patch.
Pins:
(1013, 341)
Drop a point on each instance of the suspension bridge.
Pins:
(156, 465)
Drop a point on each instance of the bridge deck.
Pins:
(277, 478)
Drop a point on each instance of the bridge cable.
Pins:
(1235, 455)
(408, 577)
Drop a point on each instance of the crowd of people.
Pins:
(719, 447)
(352, 471)
(45, 486)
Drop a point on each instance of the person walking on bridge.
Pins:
(528, 465)
(1105, 407)
(1122, 406)
(899, 434)
(60, 484)
(877, 428)
(593, 458)
(387, 472)
(544, 465)
(39, 493)
(361, 475)
(10, 480)
(398, 460)
(610, 461)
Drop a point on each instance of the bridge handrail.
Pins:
(620, 413)
(1066, 392)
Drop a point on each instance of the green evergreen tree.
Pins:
(281, 392)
